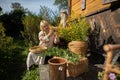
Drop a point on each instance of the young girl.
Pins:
(46, 38)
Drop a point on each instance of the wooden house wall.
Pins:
(91, 6)
(104, 21)
(105, 28)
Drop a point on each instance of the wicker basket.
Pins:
(75, 69)
(78, 47)
(38, 49)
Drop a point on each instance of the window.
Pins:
(83, 4)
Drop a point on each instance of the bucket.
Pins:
(57, 68)
(43, 72)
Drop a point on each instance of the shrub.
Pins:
(31, 75)
(31, 29)
(64, 53)
(77, 29)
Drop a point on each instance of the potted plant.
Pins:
(76, 64)
(76, 33)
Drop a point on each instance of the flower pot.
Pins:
(75, 69)
(78, 47)
(57, 68)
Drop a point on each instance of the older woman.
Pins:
(63, 18)
(46, 38)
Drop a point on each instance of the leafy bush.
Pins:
(12, 22)
(4, 40)
(64, 53)
(31, 75)
(11, 57)
(77, 29)
(31, 29)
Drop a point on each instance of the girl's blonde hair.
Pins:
(43, 23)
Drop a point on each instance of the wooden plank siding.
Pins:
(104, 21)
(91, 6)
(106, 29)
(74, 2)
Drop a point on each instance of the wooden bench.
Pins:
(111, 57)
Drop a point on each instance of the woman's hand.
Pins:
(46, 39)
(56, 39)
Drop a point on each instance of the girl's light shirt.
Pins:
(45, 40)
